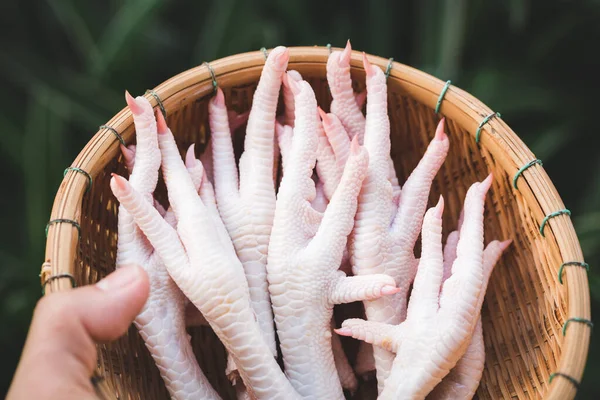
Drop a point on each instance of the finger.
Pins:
(414, 195)
(348, 289)
(161, 235)
(256, 163)
(224, 166)
(376, 333)
(344, 103)
(426, 287)
(60, 351)
(338, 218)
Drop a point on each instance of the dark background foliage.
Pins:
(64, 65)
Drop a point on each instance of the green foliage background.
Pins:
(64, 65)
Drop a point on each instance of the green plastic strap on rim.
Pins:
(389, 68)
(442, 94)
(58, 276)
(567, 377)
(114, 131)
(81, 172)
(329, 48)
(577, 319)
(523, 168)
(63, 220)
(265, 53)
(158, 101)
(552, 215)
(485, 121)
(213, 76)
(577, 263)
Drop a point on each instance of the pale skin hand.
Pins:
(247, 204)
(60, 357)
(161, 322)
(305, 252)
(440, 319)
(201, 259)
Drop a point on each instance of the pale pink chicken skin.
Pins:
(440, 319)
(463, 379)
(161, 322)
(319, 203)
(386, 229)
(284, 133)
(347, 106)
(247, 204)
(201, 259)
(305, 252)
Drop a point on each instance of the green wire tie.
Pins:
(114, 131)
(81, 172)
(442, 94)
(158, 101)
(212, 76)
(567, 377)
(58, 276)
(577, 319)
(265, 53)
(485, 121)
(389, 68)
(577, 263)
(523, 168)
(329, 48)
(552, 215)
(61, 220)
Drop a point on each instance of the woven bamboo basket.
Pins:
(530, 353)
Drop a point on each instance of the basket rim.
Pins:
(508, 150)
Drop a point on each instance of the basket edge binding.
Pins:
(492, 133)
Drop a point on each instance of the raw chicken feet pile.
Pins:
(312, 216)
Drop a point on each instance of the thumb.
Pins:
(60, 352)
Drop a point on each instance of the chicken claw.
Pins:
(305, 252)
(440, 319)
(201, 259)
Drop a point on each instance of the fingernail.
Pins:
(119, 279)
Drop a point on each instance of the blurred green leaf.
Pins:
(122, 30)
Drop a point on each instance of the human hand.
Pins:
(60, 353)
